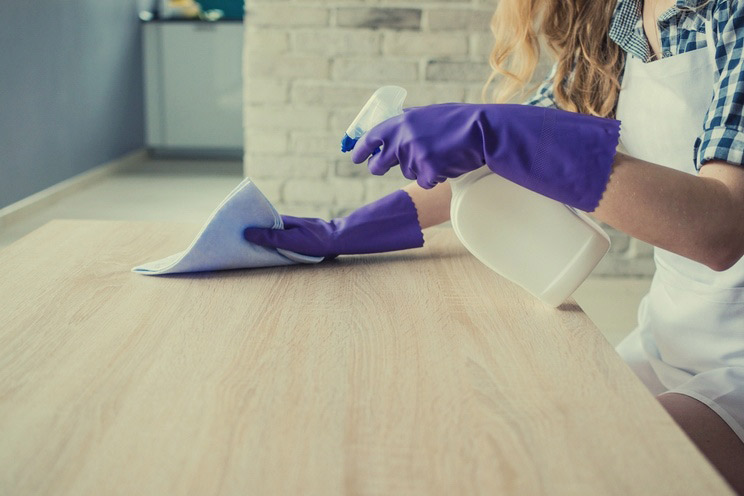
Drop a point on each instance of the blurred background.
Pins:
(155, 109)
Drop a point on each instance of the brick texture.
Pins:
(309, 65)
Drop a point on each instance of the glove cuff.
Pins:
(576, 156)
(388, 224)
(565, 156)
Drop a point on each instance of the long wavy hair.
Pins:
(576, 33)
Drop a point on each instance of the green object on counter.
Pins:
(233, 9)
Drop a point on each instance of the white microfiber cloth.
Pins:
(220, 244)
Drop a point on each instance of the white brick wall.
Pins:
(309, 65)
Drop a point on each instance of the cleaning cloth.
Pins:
(220, 244)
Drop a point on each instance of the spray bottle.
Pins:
(544, 246)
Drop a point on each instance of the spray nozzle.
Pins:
(384, 103)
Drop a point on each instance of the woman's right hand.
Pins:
(388, 224)
(308, 236)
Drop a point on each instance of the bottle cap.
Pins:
(384, 103)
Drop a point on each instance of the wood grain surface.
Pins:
(418, 372)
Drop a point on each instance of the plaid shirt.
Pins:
(682, 30)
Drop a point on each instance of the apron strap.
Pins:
(710, 42)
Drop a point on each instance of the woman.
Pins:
(673, 75)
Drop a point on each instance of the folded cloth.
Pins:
(220, 244)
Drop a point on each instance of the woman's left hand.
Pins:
(562, 155)
(430, 143)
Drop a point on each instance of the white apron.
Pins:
(690, 334)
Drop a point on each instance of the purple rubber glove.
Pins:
(388, 224)
(562, 155)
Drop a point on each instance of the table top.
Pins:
(417, 372)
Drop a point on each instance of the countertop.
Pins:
(417, 372)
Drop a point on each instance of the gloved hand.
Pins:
(562, 155)
(388, 224)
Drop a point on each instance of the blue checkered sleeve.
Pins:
(544, 96)
(723, 131)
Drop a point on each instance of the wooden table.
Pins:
(417, 372)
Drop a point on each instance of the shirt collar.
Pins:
(626, 27)
(690, 3)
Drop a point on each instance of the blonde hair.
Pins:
(576, 32)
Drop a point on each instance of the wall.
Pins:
(70, 90)
(309, 65)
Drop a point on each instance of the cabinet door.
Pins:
(202, 84)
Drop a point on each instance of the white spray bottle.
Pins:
(546, 247)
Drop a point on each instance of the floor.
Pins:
(188, 191)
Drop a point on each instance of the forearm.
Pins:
(698, 217)
(432, 205)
